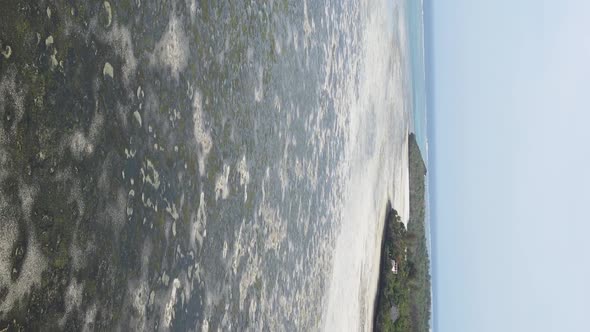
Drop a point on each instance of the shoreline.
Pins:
(403, 300)
(388, 209)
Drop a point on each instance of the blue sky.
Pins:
(510, 154)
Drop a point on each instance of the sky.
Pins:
(509, 142)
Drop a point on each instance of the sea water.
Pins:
(212, 165)
(415, 19)
(419, 123)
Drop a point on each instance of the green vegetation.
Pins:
(404, 299)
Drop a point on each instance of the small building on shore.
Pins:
(393, 266)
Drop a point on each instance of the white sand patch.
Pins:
(172, 50)
(150, 175)
(48, 41)
(72, 299)
(192, 9)
(7, 52)
(224, 250)
(248, 278)
(137, 117)
(244, 252)
(11, 94)
(120, 37)
(249, 54)
(53, 58)
(259, 88)
(33, 266)
(139, 293)
(79, 252)
(307, 27)
(107, 70)
(201, 132)
(140, 93)
(5, 165)
(27, 195)
(238, 247)
(274, 230)
(109, 12)
(8, 236)
(83, 145)
(169, 309)
(171, 209)
(75, 191)
(199, 224)
(80, 145)
(221, 184)
(75, 194)
(140, 297)
(116, 211)
(242, 169)
(89, 319)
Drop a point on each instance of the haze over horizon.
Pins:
(507, 141)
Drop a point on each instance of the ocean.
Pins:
(415, 15)
(419, 123)
(204, 165)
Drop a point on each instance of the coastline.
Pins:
(388, 208)
(375, 171)
(403, 301)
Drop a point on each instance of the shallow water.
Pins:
(199, 165)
